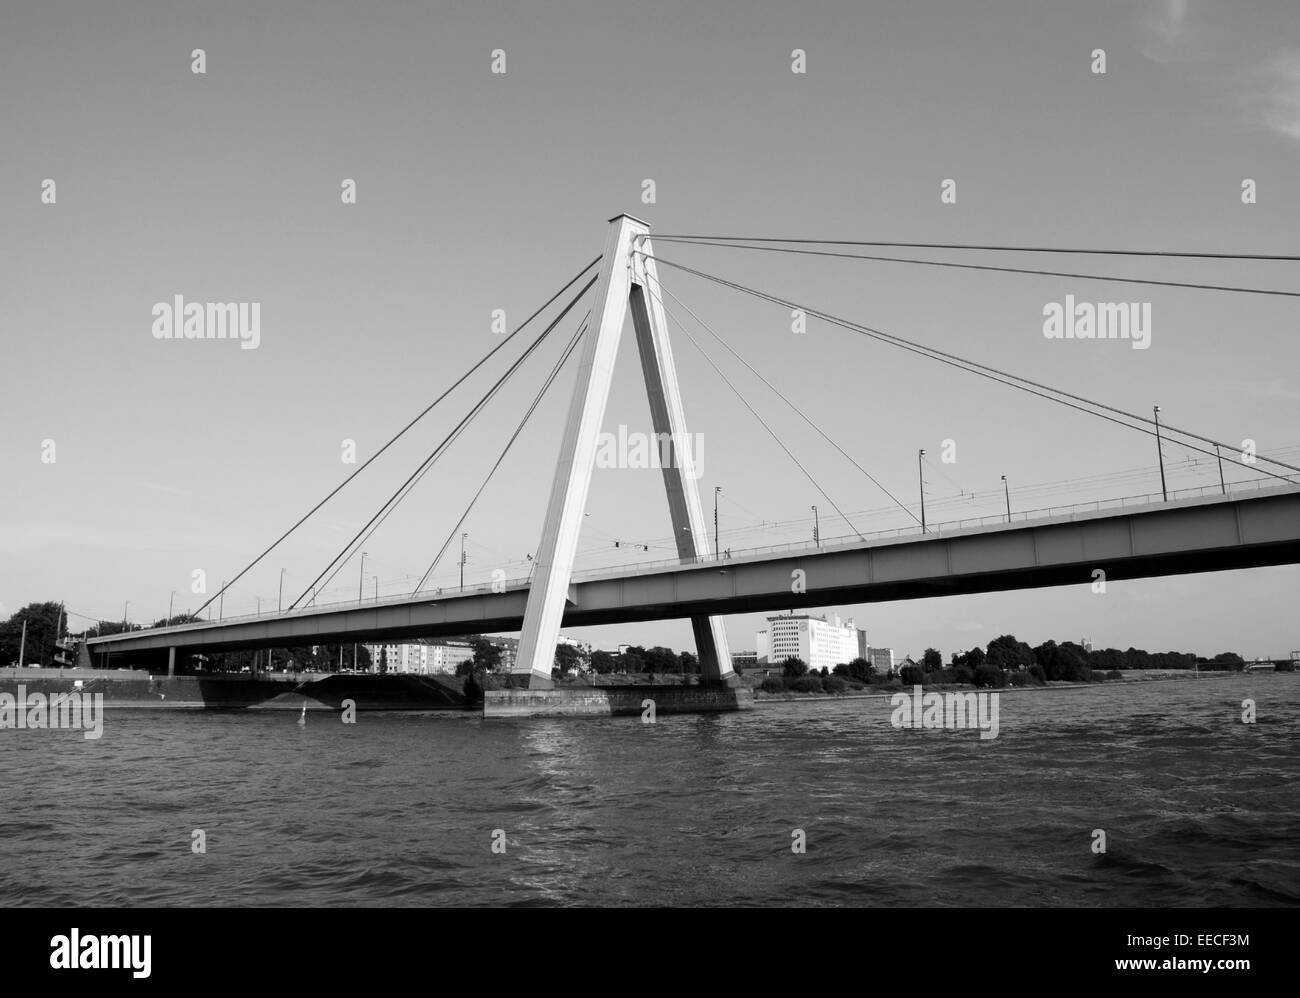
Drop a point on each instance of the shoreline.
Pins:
(762, 698)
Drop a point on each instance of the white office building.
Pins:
(820, 642)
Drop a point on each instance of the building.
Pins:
(881, 659)
(741, 660)
(821, 643)
(421, 658)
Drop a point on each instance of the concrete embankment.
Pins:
(615, 701)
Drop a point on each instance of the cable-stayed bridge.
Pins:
(1252, 524)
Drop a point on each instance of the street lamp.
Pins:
(170, 603)
(279, 603)
(817, 532)
(376, 588)
(716, 490)
(221, 601)
(1222, 485)
(124, 611)
(462, 561)
(361, 581)
(1007, 489)
(921, 478)
(1161, 454)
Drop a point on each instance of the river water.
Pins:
(1197, 807)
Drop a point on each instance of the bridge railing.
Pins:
(942, 529)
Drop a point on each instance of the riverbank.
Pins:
(883, 692)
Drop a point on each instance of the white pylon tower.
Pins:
(628, 278)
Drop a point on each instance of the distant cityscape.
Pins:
(820, 641)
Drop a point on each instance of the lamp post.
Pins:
(1222, 485)
(921, 478)
(125, 608)
(279, 603)
(817, 531)
(170, 603)
(361, 581)
(1160, 453)
(716, 490)
(221, 601)
(376, 588)
(1007, 489)
(462, 561)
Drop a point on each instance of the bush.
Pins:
(1114, 674)
(1018, 678)
(990, 676)
(473, 690)
(963, 674)
(912, 675)
(1037, 675)
(835, 684)
(1287, 665)
(772, 684)
(807, 684)
(793, 668)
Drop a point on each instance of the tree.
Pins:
(972, 659)
(794, 668)
(604, 662)
(661, 659)
(487, 656)
(567, 658)
(688, 663)
(46, 624)
(466, 668)
(1006, 652)
(473, 689)
(861, 670)
(932, 660)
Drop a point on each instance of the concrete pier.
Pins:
(615, 701)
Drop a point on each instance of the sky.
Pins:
(478, 191)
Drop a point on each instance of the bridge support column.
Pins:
(627, 277)
(171, 661)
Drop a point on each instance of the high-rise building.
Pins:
(819, 642)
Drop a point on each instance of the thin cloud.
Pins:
(1165, 36)
(1273, 98)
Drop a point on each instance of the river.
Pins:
(1197, 807)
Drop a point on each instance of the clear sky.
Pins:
(478, 191)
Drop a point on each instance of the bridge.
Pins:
(1254, 523)
(1061, 547)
